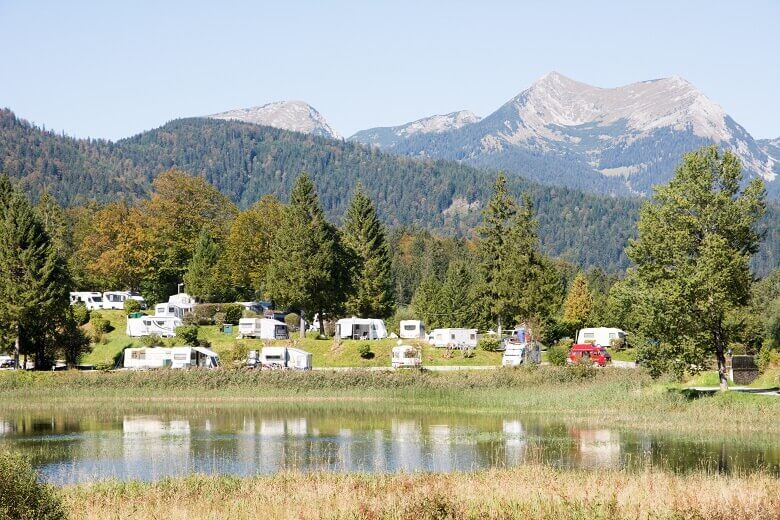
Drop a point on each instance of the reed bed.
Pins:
(531, 492)
(616, 397)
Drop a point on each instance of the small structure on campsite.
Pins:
(360, 328)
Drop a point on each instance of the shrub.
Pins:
(80, 313)
(238, 353)
(219, 318)
(233, 312)
(558, 353)
(767, 357)
(617, 344)
(132, 306)
(22, 497)
(490, 344)
(95, 315)
(152, 340)
(190, 318)
(468, 352)
(204, 313)
(101, 325)
(293, 321)
(188, 334)
(364, 349)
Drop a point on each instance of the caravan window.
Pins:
(410, 327)
(472, 336)
(180, 357)
(452, 336)
(589, 336)
(138, 354)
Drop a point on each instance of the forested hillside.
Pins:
(246, 161)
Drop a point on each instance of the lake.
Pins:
(84, 445)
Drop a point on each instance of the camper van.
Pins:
(453, 337)
(92, 300)
(262, 328)
(163, 326)
(411, 329)
(602, 336)
(280, 357)
(361, 328)
(406, 356)
(517, 354)
(116, 299)
(175, 357)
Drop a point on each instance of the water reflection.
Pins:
(86, 446)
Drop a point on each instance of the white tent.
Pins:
(361, 328)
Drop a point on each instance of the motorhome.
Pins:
(178, 305)
(163, 326)
(406, 356)
(174, 357)
(411, 329)
(116, 299)
(361, 328)
(517, 354)
(602, 336)
(281, 357)
(453, 337)
(262, 328)
(92, 300)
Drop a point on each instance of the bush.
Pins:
(219, 318)
(101, 325)
(80, 313)
(767, 357)
(364, 349)
(233, 312)
(293, 321)
(238, 353)
(22, 497)
(188, 334)
(190, 318)
(490, 344)
(558, 353)
(132, 306)
(617, 344)
(205, 313)
(152, 340)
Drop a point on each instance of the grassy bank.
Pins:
(605, 396)
(525, 492)
(324, 352)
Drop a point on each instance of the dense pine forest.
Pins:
(246, 161)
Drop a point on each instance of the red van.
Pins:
(587, 353)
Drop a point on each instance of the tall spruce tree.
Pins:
(371, 278)
(426, 301)
(34, 281)
(492, 249)
(696, 237)
(308, 267)
(206, 278)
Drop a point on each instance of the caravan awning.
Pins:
(204, 350)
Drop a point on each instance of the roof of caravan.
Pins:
(204, 350)
(365, 321)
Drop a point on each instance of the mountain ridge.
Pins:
(296, 116)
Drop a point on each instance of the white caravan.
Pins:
(406, 356)
(601, 336)
(361, 328)
(92, 300)
(116, 299)
(284, 357)
(263, 328)
(163, 326)
(453, 337)
(411, 329)
(175, 357)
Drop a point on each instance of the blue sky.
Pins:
(112, 69)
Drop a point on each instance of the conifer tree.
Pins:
(696, 237)
(205, 277)
(579, 303)
(308, 268)
(34, 281)
(425, 302)
(371, 279)
(454, 305)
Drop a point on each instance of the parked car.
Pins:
(588, 353)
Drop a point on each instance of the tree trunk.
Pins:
(322, 324)
(16, 349)
(302, 327)
(499, 327)
(721, 356)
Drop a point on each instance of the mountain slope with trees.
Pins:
(245, 161)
